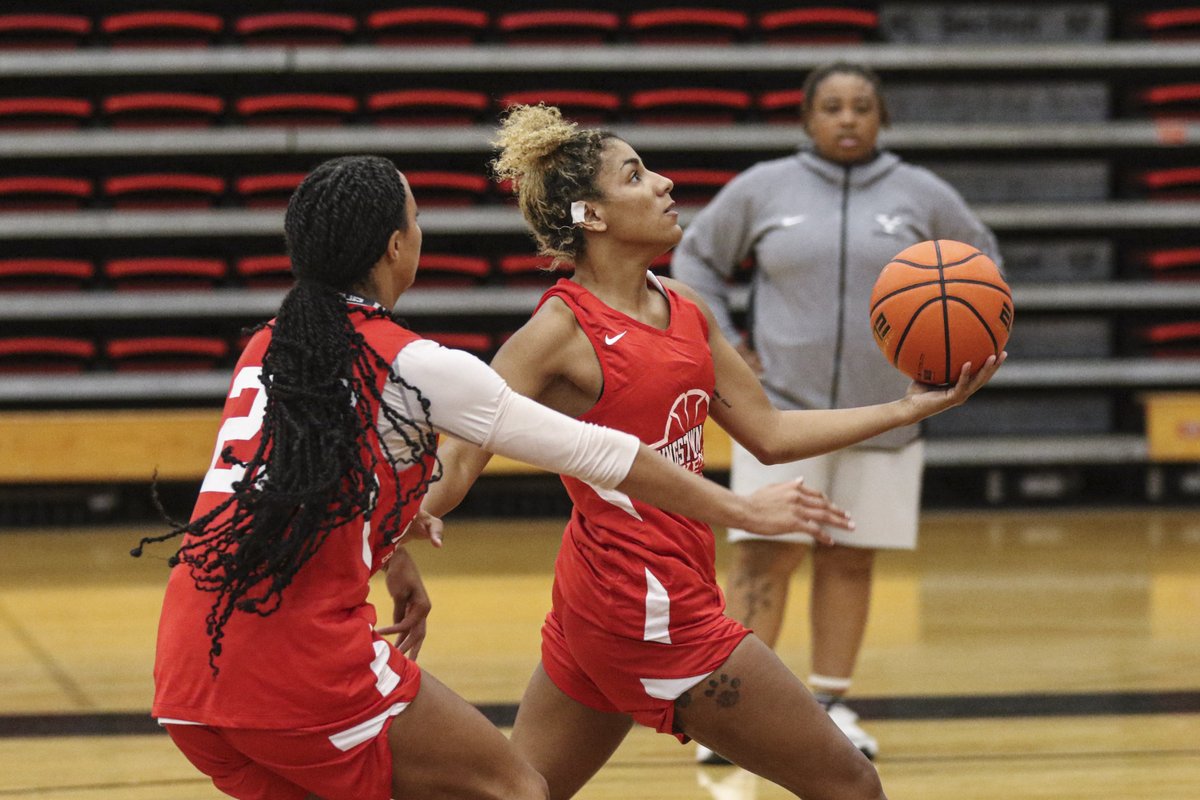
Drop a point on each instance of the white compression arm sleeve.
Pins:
(469, 400)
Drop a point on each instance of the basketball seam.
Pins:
(919, 265)
(927, 284)
(982, 321)
(937, 248)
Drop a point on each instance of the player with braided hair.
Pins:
(270, 673)
(637, 630)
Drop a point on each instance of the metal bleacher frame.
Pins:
(1123, 58)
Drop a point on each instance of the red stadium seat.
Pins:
(162, 29)
(697, 186)
(558, 25)
(269, 190)
(164, 190)
(427, 107)
(295, 28)
(43, 113)
(162, 110)
(44, 274)
(37, 31)
(444, 269)
(1175, 183)
(1172, 263)
(1171, 339)
(169, 353)
(689, 105)
(578, 105)
(479, 344)
(1169, 23)
(781, 106)
(264, 271)
(530, 269)
(691, 25)
(164, 273)
(442, 188)
(426, 25)
(1173, 101)
(822, 25)
(45, 353)
(43, 192)
(297, 109)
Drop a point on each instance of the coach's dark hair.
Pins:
(315, 466)
(819, 74)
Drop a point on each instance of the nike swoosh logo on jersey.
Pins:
(614, 339)
(788, 222)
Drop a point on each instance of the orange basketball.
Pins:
(938, 305)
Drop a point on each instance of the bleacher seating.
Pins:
(1084, 159)
(45, 353)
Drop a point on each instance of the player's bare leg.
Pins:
(754, 711)
(757, 588)
(564, 740)
(841, 601)
(442, 747)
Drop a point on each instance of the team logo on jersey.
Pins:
(889, 224)
(683, 437)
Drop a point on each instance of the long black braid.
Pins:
(315, 468)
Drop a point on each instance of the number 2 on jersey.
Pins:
(220, 476)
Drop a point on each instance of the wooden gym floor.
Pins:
(1033, 654)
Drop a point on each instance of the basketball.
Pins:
(936, 306)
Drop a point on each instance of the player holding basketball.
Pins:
(820, 225)
(270, 675)
(637, 630)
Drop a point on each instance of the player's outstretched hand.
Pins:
(423, 526)
(929, 400)
(410, 604)
(792, 507)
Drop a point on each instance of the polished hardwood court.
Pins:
(1032, 654)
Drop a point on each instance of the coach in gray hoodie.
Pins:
(820, 225)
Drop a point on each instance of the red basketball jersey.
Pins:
(316, 659)
(625, 566)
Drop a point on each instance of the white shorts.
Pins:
(881, 489)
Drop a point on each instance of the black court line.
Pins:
(873, 708)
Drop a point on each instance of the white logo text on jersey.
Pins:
(610, 340)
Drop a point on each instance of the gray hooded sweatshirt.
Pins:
(820, 233)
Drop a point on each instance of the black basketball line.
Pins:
(937, 248)
(919, 265)
(912, 320)
(924, 284)
(982, 321)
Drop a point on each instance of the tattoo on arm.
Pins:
(717, 396)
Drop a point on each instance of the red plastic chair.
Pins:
(45, 354)
(1172, 101)
(164, 273)
(445, 269)
(162, 110)
(1169, 23)
(1172, 263)
(166, 353)
(689, 105)
(427, 107)
(267, 191)
(578, 105)
(1175, 183)
(426, 25)
(479, 344)
(1171, 339)
(162, 29)
(558, 25)
(44, 113)
(295, 28)
(164, 190)
(38, 31)
(43, 192)
(691, 25)
(297, 109)
(524, 269)
(270, 271)
(697, 186)
(823, 25)
(44, 274)
(442, 188)
(782, 106)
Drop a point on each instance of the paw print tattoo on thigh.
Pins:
(723, 690)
